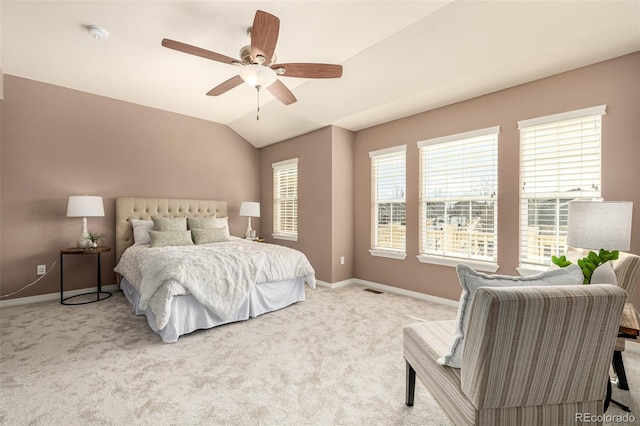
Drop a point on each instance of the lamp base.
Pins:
(83, 240)
(249, 231)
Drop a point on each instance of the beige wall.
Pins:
(58, 142)
(313, 151)
(342, 218)
(614, 83)
(325, 198)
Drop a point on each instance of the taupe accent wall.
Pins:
(58, 142)
(615, 83)
(325, 201)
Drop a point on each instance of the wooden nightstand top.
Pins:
(629, 321)
(76, 250)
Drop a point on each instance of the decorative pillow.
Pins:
(604, 274)
(221, 222)
(169, 223)
(471, 280)
(202, 223)
(141, 230)
(170, 238)
(210, 235)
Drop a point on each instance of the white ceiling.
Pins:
(399, 58)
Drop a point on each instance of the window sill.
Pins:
(288, 237)
(478, 265)
(400, 255)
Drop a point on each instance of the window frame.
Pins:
(453, 258)
(279, 168)
(530, 263)
(377, 249)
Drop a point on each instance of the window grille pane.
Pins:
(559, 162)
(388, 208)
(285, 197)
(458, 195)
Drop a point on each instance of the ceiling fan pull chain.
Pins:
(258, 104)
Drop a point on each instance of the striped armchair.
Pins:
(532, 355)
(627, 269)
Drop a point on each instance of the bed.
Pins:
(189, 287)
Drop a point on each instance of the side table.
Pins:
(630, 329)
(100, 295)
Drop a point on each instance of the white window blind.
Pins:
(559, 162)
(285, 199)
(388, 200)
(458, 196)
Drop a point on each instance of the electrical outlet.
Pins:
(41, 269)
(342, 260)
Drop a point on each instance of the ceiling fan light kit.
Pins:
(258, 75)
(257, 67)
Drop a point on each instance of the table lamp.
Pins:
(598, 225)
(249, 209)
(84, 206)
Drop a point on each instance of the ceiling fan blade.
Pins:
(226, 86)
(192, 50)
(264, 36)
(280, 91)
(309, 70)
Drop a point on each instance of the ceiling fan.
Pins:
(258, 67)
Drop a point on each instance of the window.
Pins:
(285, 200)
(458, 199)
(388, 202)
(559, 162)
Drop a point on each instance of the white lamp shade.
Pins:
(85, 206)
(598, 225)
(258, 75)
(250, 208)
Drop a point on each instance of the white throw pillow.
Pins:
(604, 274)
(471, 280)
(141, 230)
(221, 222)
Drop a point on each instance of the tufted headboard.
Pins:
(128, 208)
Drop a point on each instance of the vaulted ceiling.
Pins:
(399, 57)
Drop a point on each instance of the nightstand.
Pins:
(100, 295)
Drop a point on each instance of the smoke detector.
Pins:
(98, 32)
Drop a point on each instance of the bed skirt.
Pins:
(187, 314)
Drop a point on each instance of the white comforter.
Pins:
(218, 275)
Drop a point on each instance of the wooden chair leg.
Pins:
(411, 385)
(618, 367)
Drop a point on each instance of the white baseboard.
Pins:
(336, 284)
(390, 289)
(53, 296)
(409, 293)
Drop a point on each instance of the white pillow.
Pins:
(141, 230)
(221, 222)
(471, 280)
(604, 274)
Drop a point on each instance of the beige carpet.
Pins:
(334, 359)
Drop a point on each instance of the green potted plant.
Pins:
(589, 263)
(95, 238)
